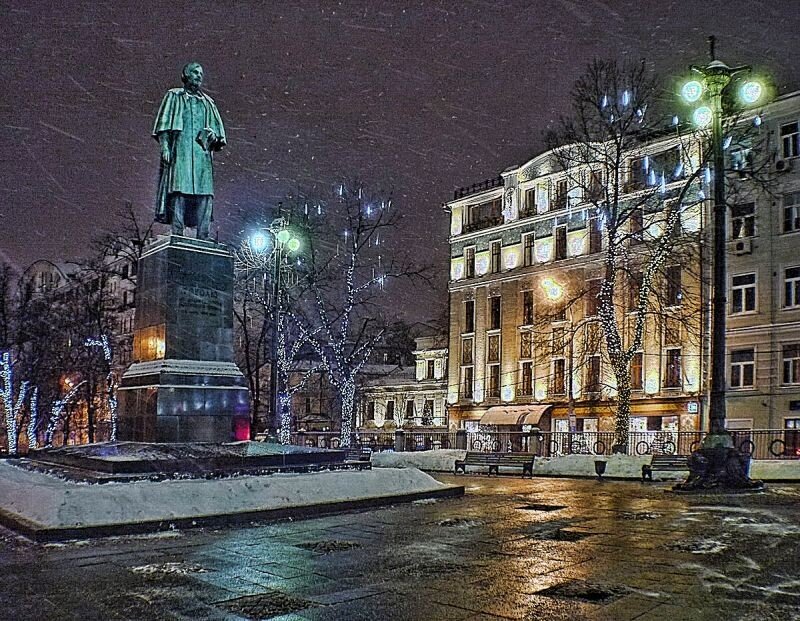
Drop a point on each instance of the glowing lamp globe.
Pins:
(283, 236)
(702, 116)
(259, 242)
(294, 244)
(692, 91)
(751, 92)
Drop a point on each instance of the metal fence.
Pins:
(758, 443)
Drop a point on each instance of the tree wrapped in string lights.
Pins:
(349, 264)
(643, 184)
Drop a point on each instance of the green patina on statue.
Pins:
(189, 129)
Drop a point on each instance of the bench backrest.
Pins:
(474, 458)
(662, 461)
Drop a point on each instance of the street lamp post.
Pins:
(717, 463)
(714, 79)
(269, 247)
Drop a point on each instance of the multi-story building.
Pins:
(525, 239)
(409, 397)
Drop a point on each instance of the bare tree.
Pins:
(348, 265)
(645, 209)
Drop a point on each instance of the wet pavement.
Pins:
(510, 549)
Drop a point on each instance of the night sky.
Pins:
(416, 97)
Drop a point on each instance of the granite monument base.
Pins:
(184, 385)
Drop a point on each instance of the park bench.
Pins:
(358, 458)
(494, 461)
(664, 463)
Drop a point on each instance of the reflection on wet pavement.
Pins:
(510, 549)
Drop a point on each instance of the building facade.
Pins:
(529, 237)
(409, 397)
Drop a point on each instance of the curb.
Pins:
(44, 534)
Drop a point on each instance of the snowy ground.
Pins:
(617, 466)
(46, 501)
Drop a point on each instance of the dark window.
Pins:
(634, 288)
(484, 215)
(494, 380)
(410, 405)
(637, 371)
(495, 253)
(637, 176)
(637, 226)
(791, 212)
(595, 235)
(527, 379)
(530, 202)
(790, 139)
(673, 377)
(469, 262)
(593, 374)
(430, 365)
(467, 382)
(125, 271)
(743, 220)
(561, 242)
(494, 313)
(791, 284)
(673, 294)
(592, 301)
(743, 293)
(595, 190)
(558, 377)
(528, 256)
(371, 410)
(390, 409)
(791, 364)
(308, 405)
(527, 308)
(469, 316)
(560, 198)
(742, 368)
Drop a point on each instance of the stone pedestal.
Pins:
(183, 385)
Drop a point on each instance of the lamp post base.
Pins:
(720, 467)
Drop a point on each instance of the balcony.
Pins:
(484, 223)
(488, 184)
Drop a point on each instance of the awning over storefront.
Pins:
(514, 414)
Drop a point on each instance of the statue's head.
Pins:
(192, 75)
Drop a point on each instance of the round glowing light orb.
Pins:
(283, 236)
(702, 116)
(259, 242)
(692, 91)
(552, 289)
(294, 244)
(751, 92)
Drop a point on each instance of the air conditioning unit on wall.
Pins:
(782, 165)
(741, 246)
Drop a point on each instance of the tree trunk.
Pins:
(622, 419)
(285, 410)
(348, 395)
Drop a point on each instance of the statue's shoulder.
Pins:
(175, 92)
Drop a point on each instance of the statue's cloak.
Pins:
(188, 117)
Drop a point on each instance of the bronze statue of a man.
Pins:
(189, 129)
